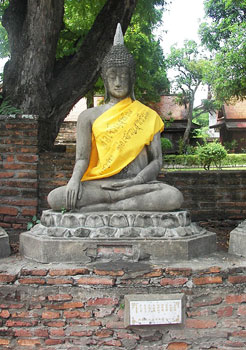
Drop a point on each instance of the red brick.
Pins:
(81, 334)
(102, 301)
(104, 333)
(54, 341)
(10, 158)
(207, 280)
(16, 306)
(60, 297)
(23, 314)
(95, 323)
(69, 305)
(96, 281)
(5, 278)
(23, 333)
(235, 298)
(27, 158)
(50, 314)
(214, 269)
(112, 343)
(124, 335)
(57, 332)
(234, 344)
(173, 282)
(200, 324)
(42, 333)
(20, 183)
(178, 346)
(31, 280)
(11, 323)
(237, 279)
(77, 314)
(27, 175)
(115, 325)
(109, 273)
(29, 212)
(69, 272)
(56, 324)
(154, 273)
(242, 310)
(19, 201)
(6, 175)
(103, 312)
(241, 333)
(4, 314)
(225, 311)
(178, 271)
(39, 272)
(59, 281)
(8, 211)
(208, 302)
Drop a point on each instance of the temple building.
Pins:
(231, 124)
(175, 116)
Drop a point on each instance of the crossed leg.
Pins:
(154, 196)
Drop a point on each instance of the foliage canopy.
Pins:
(224, 35)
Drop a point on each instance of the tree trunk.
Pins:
(38, 84)
(186, 138)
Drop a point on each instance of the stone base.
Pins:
(4, 244)
(111, 236)
(48, 249)
(237, 244)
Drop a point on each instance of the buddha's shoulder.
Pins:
(91, 114)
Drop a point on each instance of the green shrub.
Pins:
(165, 144)
(185, 160)
(230, 146)
(211, 153)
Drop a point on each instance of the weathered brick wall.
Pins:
(55, 169)
(27, 177)
(18, 172)
(213, 195)
(77, 308)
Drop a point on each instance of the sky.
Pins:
(181, 22)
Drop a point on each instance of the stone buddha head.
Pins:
(118, 69)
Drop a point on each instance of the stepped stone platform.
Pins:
(4, 244)
(237, 243)
(114, 235)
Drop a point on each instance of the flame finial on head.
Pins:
(118, 37)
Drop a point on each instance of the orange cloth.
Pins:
(119, 135)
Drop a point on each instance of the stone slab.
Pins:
(47, 249)
(4, 244)
(154, 309)
(237, 243)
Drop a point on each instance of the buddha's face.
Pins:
(118, 82)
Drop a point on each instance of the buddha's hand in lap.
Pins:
(123, 184)
(73, 193)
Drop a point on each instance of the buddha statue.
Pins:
(118, 149)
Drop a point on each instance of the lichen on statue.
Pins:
(118, 150)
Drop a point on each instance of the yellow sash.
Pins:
(119, 135)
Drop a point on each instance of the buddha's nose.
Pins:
(117, 81)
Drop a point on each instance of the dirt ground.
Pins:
(222, 229)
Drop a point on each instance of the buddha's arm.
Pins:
(83, 151)
(151, 171)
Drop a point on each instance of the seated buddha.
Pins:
(118, 149)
